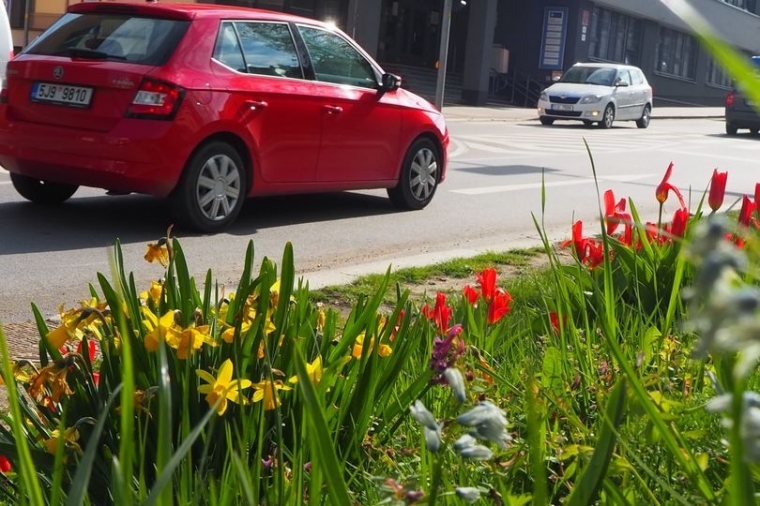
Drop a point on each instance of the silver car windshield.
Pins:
(604, 76)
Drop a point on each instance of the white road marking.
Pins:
(530, 186)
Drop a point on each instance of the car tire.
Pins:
(546, 121)
(608, 117)
(212, 189)
(731, 128)
(42, 192)
(643, 121)
(420, 174)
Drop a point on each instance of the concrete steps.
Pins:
(422, 81)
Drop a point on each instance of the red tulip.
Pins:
(746, 211)
(5, 464)
(440, 314)
(614, 213)
(680, 220)
(718, 189)
(665, 187)
(578, 242)
(471, 294)
(487, 280)
(90, 349)
(757, 194)
(499, 306)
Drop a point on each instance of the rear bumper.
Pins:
(742, 119)
(136, 156)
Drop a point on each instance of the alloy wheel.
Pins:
(423, 174)
(218, 187)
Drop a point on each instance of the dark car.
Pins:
(740, 112)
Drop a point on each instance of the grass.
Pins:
(446, 277)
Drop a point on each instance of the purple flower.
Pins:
(447, 350)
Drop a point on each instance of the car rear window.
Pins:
(111, 36)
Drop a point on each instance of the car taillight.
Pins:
(730, 99)
(155, 100)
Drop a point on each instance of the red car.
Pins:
(204, 105)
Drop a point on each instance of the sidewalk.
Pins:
(509, 113)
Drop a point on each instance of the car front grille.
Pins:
(569, 114)
(563, 99)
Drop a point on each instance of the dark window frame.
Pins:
(676, 54)
(614, 37)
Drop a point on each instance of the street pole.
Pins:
(443, 54)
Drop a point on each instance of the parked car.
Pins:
(204, 105)
(598, 93)
(740, 112)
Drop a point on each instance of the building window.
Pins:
(614, 37)
(716, 75)
(747, 5)
(676, 54)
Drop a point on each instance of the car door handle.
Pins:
(333, 109)
(255, 105)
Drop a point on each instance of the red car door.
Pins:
(361, 128)
(271, 98)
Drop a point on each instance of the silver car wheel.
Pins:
(218, 188)
(424, 174)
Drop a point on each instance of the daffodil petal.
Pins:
(205, 376)
(241, 384)
(225, 373)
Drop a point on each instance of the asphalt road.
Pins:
(49, 256)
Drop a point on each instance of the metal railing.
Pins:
(515, 87)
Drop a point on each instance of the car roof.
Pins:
(606, 65)
(188, 11)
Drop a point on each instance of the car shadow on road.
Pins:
(88, 222)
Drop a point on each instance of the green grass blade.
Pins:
(31, 485)
(78, 490)
(321, 439)
(167, 472)
(587, 488)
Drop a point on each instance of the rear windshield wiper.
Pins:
(78, 52)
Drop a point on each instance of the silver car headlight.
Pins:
(544, 96)
(590, 99)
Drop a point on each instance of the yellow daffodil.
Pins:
(60, 335)
(266, 390)
(222, 387)
(321, 320)
(157, 252)
(58, 384)
(158, 328)
(153, 294)
(314, 370)
(70, 439)
(189, 340)
(20, 374)
(383, 350)
(274, 293)
(228, 336)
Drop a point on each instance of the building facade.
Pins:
(509, 50)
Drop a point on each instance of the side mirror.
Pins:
(620, 82)
(390, 82)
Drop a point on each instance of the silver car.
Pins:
(598, 93)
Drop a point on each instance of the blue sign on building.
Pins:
(553, 38)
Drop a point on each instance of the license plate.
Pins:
(562, 107)
(63, 94)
